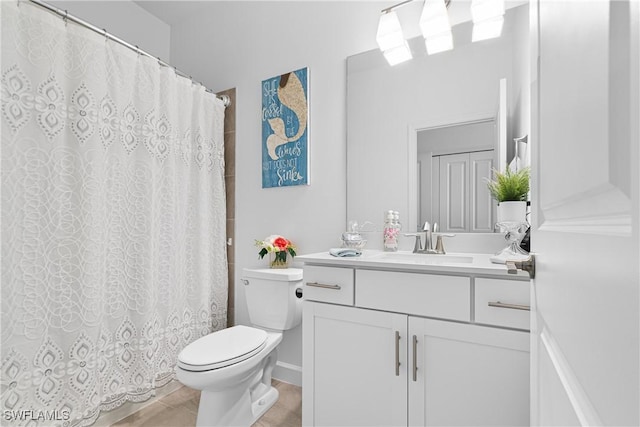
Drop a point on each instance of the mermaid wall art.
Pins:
(285, 119)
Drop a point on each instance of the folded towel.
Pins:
(345, 252)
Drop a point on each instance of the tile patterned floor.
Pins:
(180, 408)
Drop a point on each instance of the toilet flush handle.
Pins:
(246, 282)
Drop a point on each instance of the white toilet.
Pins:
(233, 366)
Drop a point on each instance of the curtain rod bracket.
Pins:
(226, 100)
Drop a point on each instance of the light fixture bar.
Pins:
(395, 6)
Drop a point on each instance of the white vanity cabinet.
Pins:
(349, 367)
(408, 350)
(467, 375)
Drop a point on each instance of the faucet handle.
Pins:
(418, 245)
(439, 246)
(445, 234)
(427, 226)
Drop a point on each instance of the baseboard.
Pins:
(111, 417)
(288, 373)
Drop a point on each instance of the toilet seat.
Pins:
(223, 348)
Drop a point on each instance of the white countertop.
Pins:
(461, 263)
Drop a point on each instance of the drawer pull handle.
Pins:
(397, 340)
(415, 358)
(324, 285)
(499, 304)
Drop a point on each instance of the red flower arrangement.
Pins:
(279, 247)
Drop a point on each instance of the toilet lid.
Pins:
(222, 348)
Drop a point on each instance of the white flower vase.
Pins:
(512, 212)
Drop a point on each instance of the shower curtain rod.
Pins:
(68, 17)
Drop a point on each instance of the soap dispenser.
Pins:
(390, 232)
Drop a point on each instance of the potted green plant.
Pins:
(510, 189)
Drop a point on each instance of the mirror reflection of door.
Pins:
(453, 162)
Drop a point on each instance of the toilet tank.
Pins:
(274, 297)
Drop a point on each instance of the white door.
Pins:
(584, 136)
(465, 203)
(454, 192)
(467, 375)
(481, 204)
(354, 373)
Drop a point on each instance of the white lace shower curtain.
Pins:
(113, 220)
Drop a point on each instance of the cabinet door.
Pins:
(454, 192)
(350, 372)
(467, 374)
(481, 204)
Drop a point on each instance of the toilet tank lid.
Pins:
(282, 274)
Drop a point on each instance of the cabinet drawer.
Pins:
(509, 300)
(328, 284)
(445, 297)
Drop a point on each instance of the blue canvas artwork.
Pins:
(285, 137)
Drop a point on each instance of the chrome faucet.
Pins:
(428, 241)
(429, 232)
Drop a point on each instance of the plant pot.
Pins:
(512, 212)
(279, 259)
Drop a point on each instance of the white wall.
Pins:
(239, 44)
(125, 20)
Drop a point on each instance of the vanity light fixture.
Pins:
(435, 26)
(434, 23)
(390, 38)
(488, 19)
(487, 16)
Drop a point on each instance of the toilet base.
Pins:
(243, 404)
(236, 415)
(265, 403)
(244, 412)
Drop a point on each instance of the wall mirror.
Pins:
(453, 111)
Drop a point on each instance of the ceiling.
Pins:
(173, 12)
(176, 11)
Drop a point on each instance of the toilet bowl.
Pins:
(233, 367)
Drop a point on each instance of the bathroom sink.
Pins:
(427, 259)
